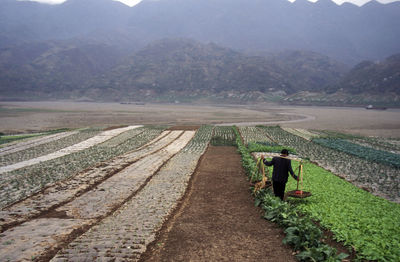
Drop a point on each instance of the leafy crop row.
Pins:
(23, 182)
(301, 233)
(257, 141)
(389, 145)
(47, 148)
(385, 144)
(223, 136)
(4, 139)
(379, 178)
(200, 141)
(251, 134)
(368, 223)
(302, 133)
(357, 218)
(266, 147)
(367, 153)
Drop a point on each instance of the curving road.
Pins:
(303, 119)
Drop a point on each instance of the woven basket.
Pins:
(298, 194)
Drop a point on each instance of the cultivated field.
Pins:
(142, 175)
(96, 182)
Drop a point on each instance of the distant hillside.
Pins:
(376, 83)
(377, 78)
(309, 71)
(169, 69)
(185, 68)
(188, 68)
(51, 70)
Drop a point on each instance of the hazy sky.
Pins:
(134, 2)
(357, 2)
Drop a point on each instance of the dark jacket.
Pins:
(282, 168)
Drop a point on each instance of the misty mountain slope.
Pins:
(348, 33)
(190, 68)
(185, 67)
(76, 48)
(31, 21)
(52, 69)
(89, 16)
(20, 21)
(186, 70)
(309, 71)
(373, 77)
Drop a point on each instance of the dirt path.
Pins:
(217, 220)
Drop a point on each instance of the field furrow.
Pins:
(65, 191)
(56, 228)
(106, 135)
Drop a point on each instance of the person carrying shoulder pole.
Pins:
(282, 168)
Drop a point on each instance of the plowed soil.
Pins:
(217, 220)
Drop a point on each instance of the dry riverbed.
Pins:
(36, 116)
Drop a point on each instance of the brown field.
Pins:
(19, 117)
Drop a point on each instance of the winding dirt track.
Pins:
(301, 118)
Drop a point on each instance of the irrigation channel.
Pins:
(110, 211)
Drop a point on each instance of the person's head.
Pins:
(284, 152)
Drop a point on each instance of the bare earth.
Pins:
(36, 116)
(217, 220)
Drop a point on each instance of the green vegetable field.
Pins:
(360, 220)
(367, 153)
(368, 223)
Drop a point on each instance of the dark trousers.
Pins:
(279, 189)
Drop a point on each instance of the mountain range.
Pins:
(172, 49)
